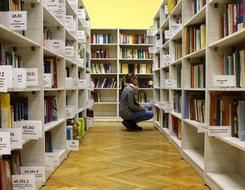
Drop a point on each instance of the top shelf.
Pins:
(15, 38)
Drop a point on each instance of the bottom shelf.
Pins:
(62, 155)
(176, 142)
(195, 157)
(230, 181)
(163, 130)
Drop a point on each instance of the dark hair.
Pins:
(129, 77)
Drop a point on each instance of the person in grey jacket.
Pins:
(130, 110)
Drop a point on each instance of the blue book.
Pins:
(186, 106)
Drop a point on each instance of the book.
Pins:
(69, 132)
(51, 67)
(5, 113)
(142, 97)
(171, 5)
(197, 5)
(101, 39)
(165, 120)
(178, 50)
(48, 142)
(104, 82)
(227, 109)
(100, 53)
(195, 38)
(128, 53)
(177, 101)
(134, 39)
(50, 109)
(198, 75)
(176, 125)
(232, 18)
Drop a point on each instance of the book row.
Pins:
(135, 53)
(134, 39)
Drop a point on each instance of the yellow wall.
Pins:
(122, 13)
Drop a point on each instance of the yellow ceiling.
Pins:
(122, 14)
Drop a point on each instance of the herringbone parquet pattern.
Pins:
(111, 158)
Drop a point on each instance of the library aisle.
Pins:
(112, 158)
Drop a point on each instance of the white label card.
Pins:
(5, 78)
(222, 131)
(168, 108)
(55, 45)
(224, 81)
(73, 145)
(69, 52)
(24, 182)
(81, 36)
(16, 139)
(202, 128)
(70, 112)
(15, 20)
(82, 14)
(37, 171)
(169, 83)
(82, 83)
(159, 43)
(5, 143)
(31, 129)
(47, 80)
(168, 34)
(19, 78)
(32, 77)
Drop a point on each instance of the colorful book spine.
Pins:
(135, 53)
(177, 102)
(51, 66)
(176, 125)
(101, 39)
(100, 53)
(134, 39)
(197, 5)
(50, 109)
(198, 76)
(195, 38)
(178, 51)
(105, 83)
(233, 17)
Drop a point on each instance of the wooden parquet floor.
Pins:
(111, 158)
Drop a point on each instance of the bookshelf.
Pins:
(115, 52)
(49, 64)
(194, 49)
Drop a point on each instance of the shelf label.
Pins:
(175, 27)
(81, 14)
(82, 84)
(5, 78)
(224, 81)
(75, 83)
(14, 20)
(24, 182)
(158, 43)
(50, 4)
(51, 161)
(37, 171)
(47, 80)
(32, 77)
(31, 129)
(166, 9)
(70, 112)
(55, 45)
(16, 139)
(168, 108)
(81, 36)
(59, 12)
(90, 104)
(81, 62)
(69, 52)
(222, 131)
(70, 23)
(19, 78)
(202, 127)
(73, 145)
(167, 59)
(5, 143)
(168, 34)
(169, 83)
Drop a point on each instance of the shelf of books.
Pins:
(45, 101)
(198, 72)
(116, 52)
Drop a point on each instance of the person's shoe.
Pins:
(138, 127)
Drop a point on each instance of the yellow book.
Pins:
(5, 111)
(124, 68)
(171, 5)
(203, 36)
(148, 68)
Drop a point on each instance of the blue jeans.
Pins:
(143, 115)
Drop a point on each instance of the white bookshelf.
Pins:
(107, 108)
(33, 51)
(218, 160)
